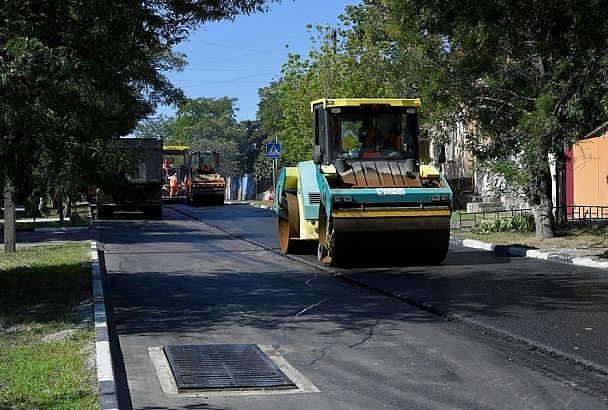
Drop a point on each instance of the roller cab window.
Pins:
(360, 133)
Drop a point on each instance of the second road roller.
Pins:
(204, 184)
(366, 193)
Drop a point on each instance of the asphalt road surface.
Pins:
(213, 276)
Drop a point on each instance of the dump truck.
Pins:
(204, 184)
(365, 194)
(141, 189)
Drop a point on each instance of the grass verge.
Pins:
(45, 348)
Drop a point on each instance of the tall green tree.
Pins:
(74, 74)
(210, 124)
(154, 127)
(532, 76)
(358, 58)
(284, 109)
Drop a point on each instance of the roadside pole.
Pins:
(274, 177)
(273, 151)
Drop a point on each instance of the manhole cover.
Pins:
(240, 366)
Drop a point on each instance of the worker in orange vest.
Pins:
(173, 185)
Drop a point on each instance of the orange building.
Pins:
(587, 172)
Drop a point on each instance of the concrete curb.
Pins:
(105, 369)
(516, 250)
(248, 203)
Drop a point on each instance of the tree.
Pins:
(210, 124)
(74, 74)
(155, 127)
(251, 144)
(533, 77)
(355, 59)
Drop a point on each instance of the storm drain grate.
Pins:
(238, 366)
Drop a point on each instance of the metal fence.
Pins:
(584, 214)
(572, 214)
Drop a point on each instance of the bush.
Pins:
(521, 222)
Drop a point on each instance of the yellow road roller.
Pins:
(365, 195)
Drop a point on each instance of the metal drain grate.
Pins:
(240, 366)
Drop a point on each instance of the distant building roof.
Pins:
(599, 131)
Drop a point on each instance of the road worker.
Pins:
(173, 185)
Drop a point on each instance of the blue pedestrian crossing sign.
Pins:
(273, 150)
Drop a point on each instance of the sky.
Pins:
(237, 58)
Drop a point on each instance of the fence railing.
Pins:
(574, 214)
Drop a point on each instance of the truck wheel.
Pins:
(289, 229)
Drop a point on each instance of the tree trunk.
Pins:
(541, 197)
(60, 206)
(10, 232)
(67, 208)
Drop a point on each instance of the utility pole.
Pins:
(329, 66)
(274, 168)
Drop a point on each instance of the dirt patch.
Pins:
(59, 336)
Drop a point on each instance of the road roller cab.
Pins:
(365, 194)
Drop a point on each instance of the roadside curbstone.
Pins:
(108, 397)
(526, 252)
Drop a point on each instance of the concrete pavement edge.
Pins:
(517, 250)
(108, 397)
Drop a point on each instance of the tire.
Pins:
(289, 228)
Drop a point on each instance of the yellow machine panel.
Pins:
(291, 178)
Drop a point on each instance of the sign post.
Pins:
(273, 151)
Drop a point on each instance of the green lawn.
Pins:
(39, 289)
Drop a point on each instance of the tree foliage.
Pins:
(74, 74)
(209, 124)
(532, 76)
(356, 59)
